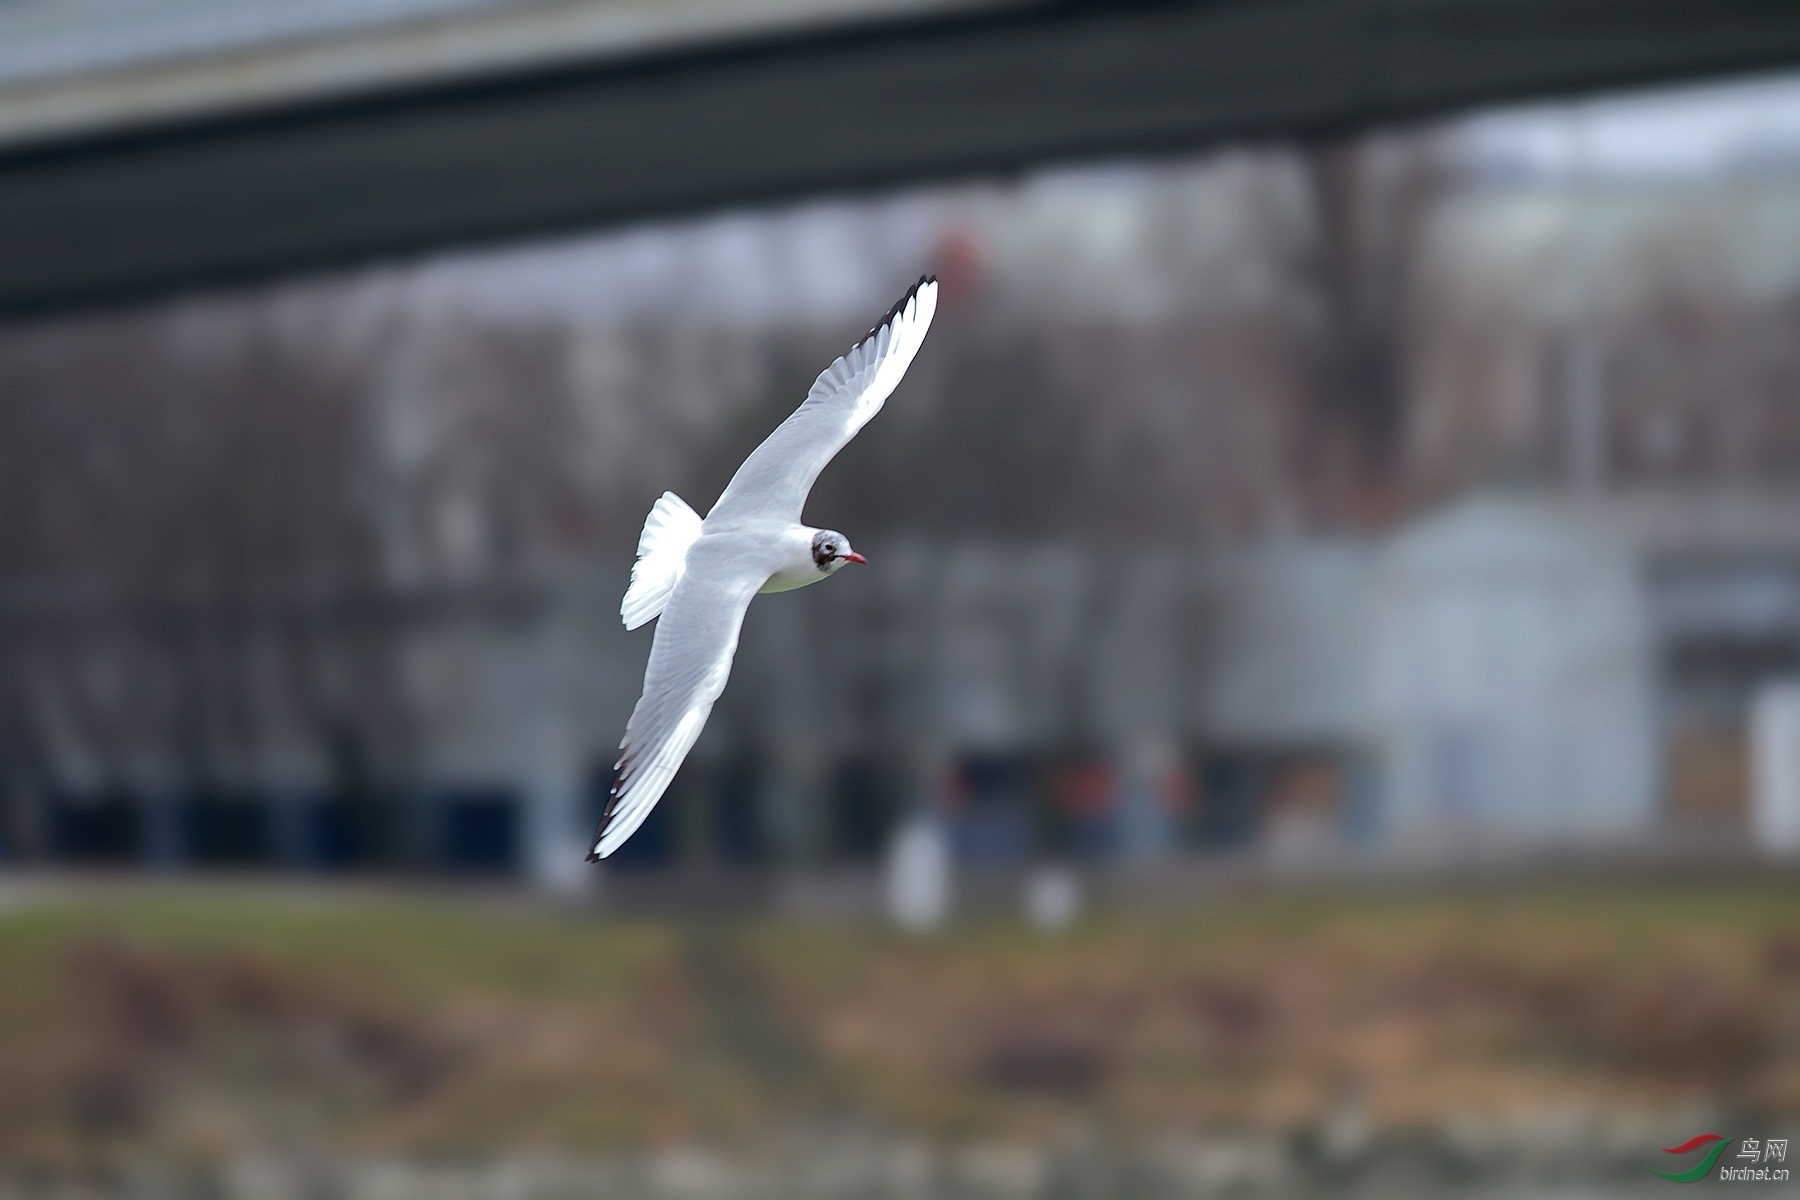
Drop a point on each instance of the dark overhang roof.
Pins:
(102, 218)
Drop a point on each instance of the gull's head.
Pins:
(831, 550)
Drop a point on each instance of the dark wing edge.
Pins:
(690, 661)
(775, 479)
(899, 307)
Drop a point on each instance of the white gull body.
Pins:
(698, 576)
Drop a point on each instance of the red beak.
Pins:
(853, 556)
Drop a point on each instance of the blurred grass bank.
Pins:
(269, 1040)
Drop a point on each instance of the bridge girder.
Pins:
(99, 219)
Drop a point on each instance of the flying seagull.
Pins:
(700, 575)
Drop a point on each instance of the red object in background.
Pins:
(1086, 790)
(952, 790)
(1178, 791)
(960, 264)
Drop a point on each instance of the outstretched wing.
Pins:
(690, 660)
(774, 480)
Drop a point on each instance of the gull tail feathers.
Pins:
(662, 550)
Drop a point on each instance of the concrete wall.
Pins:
(1508, 679)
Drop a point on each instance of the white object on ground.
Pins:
(1052, 899)
(918, 876)
(1775, 768)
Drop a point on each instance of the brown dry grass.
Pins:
(191, 1023)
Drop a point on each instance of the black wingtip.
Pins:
(600, 830)
(606, 816)
(899, 307)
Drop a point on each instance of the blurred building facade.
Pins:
(1388, 493)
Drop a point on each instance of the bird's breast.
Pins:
(783, 551)
(794, 565)
(787, 579)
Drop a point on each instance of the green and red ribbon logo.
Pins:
(1698, 1170)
